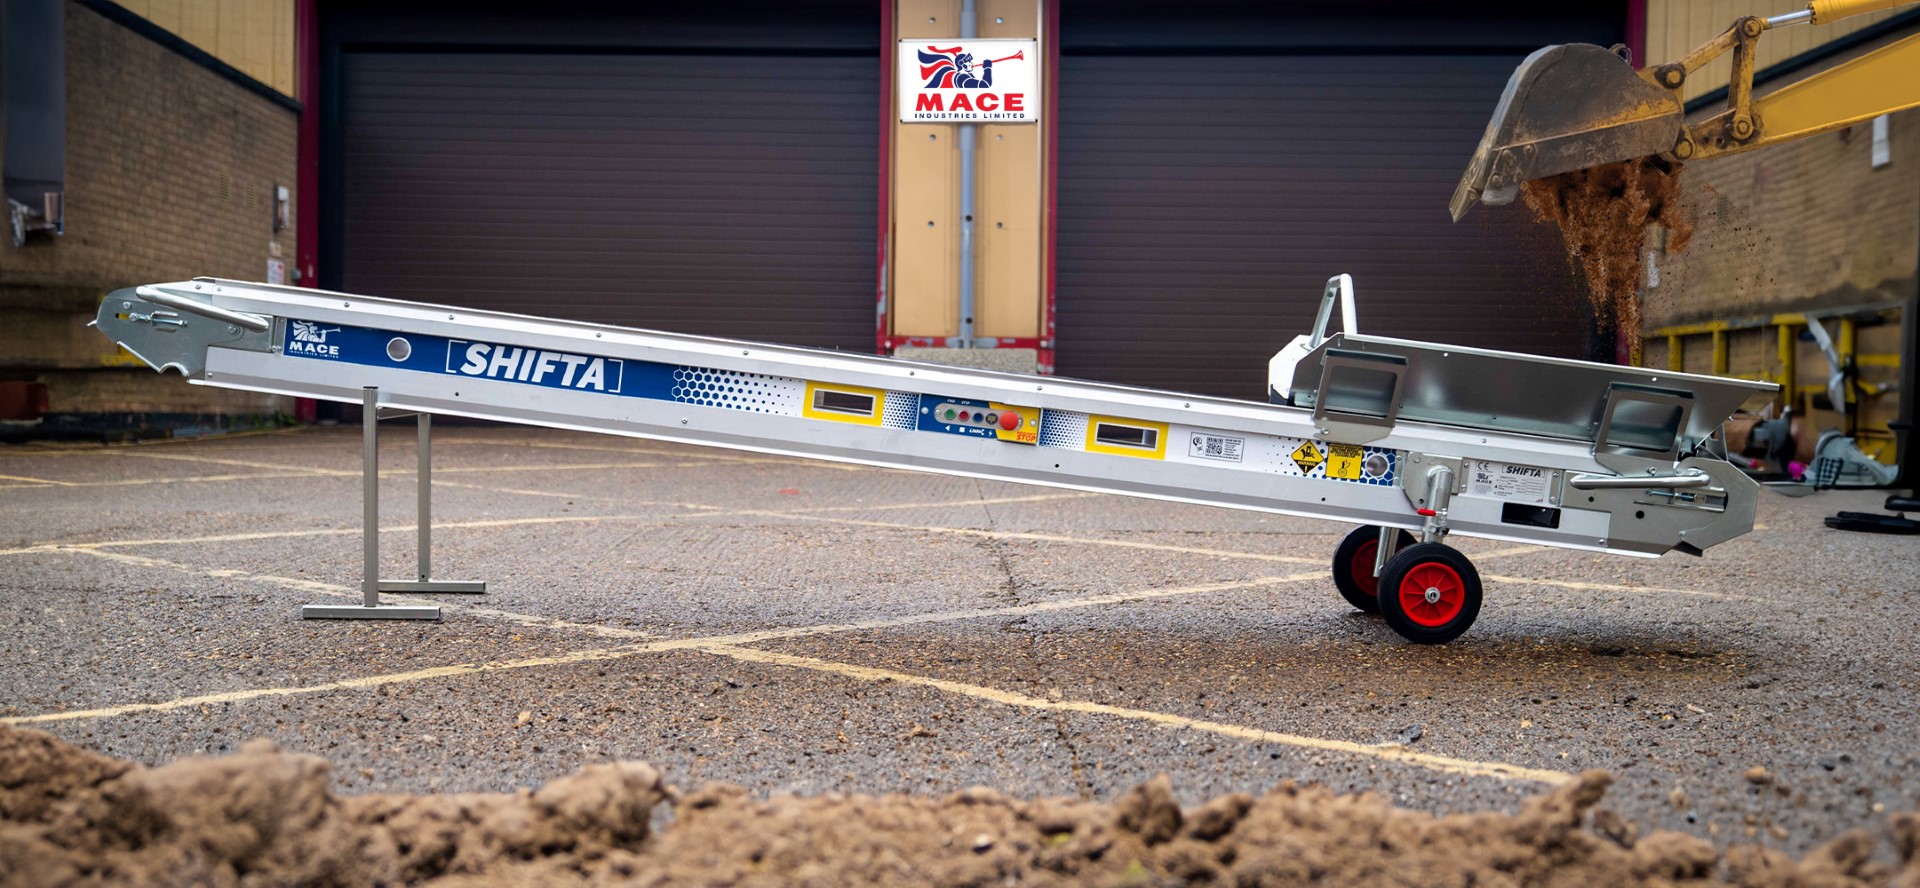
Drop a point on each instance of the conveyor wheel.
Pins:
(1353, 567)
(1429, 593)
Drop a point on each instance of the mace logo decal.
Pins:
(310, 339)
(968, 81)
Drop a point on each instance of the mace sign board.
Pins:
(969, 81)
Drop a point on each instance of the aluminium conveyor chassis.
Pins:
(1411, 440)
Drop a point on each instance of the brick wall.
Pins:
(1802, 225)
(1809, 225)
(170, 175)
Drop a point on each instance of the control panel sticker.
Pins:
(984, 419)
(1344, 461)
(1217, 447)
(1506, 481)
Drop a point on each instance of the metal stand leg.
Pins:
(1384, 552)
(370, 584)
(424, 581)
(1439, 498)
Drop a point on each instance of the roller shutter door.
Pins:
(1204, 200)
(696, 192)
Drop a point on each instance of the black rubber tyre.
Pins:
(1429, 593)
(1353, 567)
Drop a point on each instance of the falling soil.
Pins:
(266, 817)
(1604, 213)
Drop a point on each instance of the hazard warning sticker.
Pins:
(1307, 457)
(1344, 461)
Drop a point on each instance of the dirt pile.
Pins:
(1604, 213)
(263, 816)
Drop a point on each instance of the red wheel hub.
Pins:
(1362, 567)
(1432, 594)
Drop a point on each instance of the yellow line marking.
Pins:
(1392, 753)
(182, 479)
(371, 681)
(1609, 587)
(38, 481)
(245, 464)
(469, 525)
(331, 531)
(1022, 535)
(1509, 552)
(682, 644)
(729, 646)
(401, 470)
(320, 588)
(943, 504)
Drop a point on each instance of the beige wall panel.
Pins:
(284, 78)
(1007, 229)
(1675, 27)
(1007, 232)
(200, 24)
(925, 288)
(165, 13)
(926, 235)
(254, 36)
(1015, 18)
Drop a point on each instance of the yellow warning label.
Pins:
(1307, 457)
(1343, 461)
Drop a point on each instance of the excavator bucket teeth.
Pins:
(1567, 107)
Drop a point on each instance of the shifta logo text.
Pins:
(549, 368)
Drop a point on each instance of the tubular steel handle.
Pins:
(252, 322)
(1340, 289)
(1654, 482)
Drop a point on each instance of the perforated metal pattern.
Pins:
(739, 391)
(1063, 428)
(902, 411)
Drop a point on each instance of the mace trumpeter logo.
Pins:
(308, 331)
(953, 69)
(309, 338)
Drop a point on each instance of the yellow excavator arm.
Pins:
(1576, 105)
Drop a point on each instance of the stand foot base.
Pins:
(462, 587)
(362, 612)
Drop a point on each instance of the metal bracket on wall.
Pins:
(371, 585)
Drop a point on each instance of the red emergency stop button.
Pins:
(1009, 420)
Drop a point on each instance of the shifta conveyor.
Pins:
(1411, 440)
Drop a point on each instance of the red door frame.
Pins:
(306, 198)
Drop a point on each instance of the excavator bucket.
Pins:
(1567, 107)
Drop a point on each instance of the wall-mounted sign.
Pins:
(969, 81)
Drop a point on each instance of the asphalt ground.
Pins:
(795, 626)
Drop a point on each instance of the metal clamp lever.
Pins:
(1655, 482)
(252, 322)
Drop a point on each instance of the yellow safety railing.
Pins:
(1843, 325)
